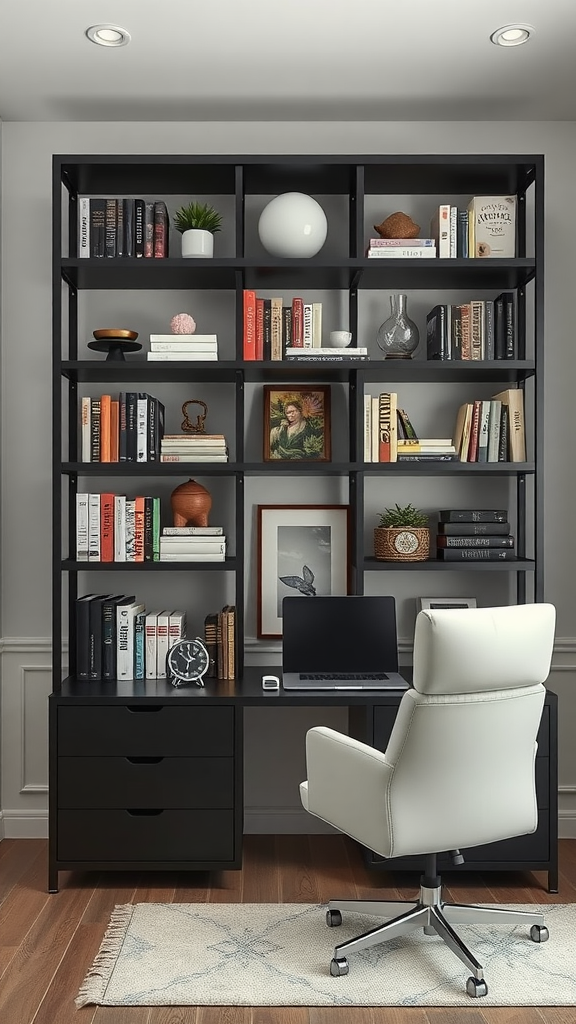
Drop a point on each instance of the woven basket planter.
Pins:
(402, 543)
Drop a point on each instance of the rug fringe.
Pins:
(94, 985)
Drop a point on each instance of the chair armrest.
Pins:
(348, 785)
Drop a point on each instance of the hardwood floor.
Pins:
(47, 943)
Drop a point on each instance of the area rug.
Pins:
(263, 954)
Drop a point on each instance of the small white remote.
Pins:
(270, 683)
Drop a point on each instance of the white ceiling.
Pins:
(296, 60)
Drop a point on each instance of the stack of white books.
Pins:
(183, 347)
(325, 354)
(401, 248)
(193, 448)
(192, 544)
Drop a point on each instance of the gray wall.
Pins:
(274, 737)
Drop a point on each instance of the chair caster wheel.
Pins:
(539, 933)
(339, 967)
(333, 918)
(476, 988)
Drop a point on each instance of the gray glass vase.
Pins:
(398, 336)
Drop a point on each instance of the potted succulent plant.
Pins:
(197, 223)
(403, 535)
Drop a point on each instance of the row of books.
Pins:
(193, 448)
(492, 430)
(485, 229)
(124, 429)
(480, 329)
(114, 528)
(116, 638)
(220, 642)
(463, 536)
(389, 435)
(124, 227)
(183, 347)
(270, 327)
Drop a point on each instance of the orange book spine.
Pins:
(106, 527)
(249, 341)
(384, 428)
(139, 529)
(105, 403)
(114, 431)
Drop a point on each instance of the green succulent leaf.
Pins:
(197, 215)
(405, 515)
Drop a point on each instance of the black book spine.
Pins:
(97, 227)
(139, 227)
(456, 332)
(83, 637)
(95, 430)
(161, 232)
(95, 640)
(131, 426)
(128, 243)
(499, 328)
(148, 529)
(267, 329)
(462, 234)
(475, 555)
(489, 346)
(111, 225)
(148, 230)
(436, 339)
(504, 432)
(122, 435)
(286, 328)
(151, 448)
(473, 529)
(109, 640)
(473, 515)
(451, 457)
(510, 325)
(474, 542)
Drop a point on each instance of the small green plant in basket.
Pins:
(403, 535)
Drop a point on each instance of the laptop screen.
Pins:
(339, 634)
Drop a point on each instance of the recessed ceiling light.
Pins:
(512, 35)
(108, 35)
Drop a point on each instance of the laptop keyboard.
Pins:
(337, 677)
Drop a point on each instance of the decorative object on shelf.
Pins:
(115, 341)
(402, 536)
(182, 323)
(297, 423)
(197, 223)
(445, 602)
(302, 549)
(198, 427)
(187, 662)
(293, 225)
(398, 225)
(398, 336)
(340, 339)
(190, 503)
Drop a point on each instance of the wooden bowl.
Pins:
(115, 332)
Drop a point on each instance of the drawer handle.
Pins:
(139, 812)
(142, 709)
(144, 760)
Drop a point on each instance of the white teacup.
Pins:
(340, 339)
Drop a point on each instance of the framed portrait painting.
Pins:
(297, 423)
(303, 550)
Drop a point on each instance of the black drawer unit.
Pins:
(535, 852)
(144, 784)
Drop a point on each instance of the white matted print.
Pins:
(302, 551)
(432, 603)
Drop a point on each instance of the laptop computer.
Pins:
(340, 643)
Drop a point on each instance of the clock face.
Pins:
(406, 542)
(187, 661)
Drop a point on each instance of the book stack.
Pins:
(480, 329)
(474, 535)
(127, 227)
(426, 449)
(183, 347)
(124, 429)
(492, 430)
(192, 544)
(401, 248)
(325, 355)
(193, 448)
(220, 641)
(485, 228)
(271, 326)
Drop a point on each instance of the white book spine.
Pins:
(85, 453)
(192, 531)
(316, 325)
(403, 252)
(150, 627)
(453, 225)
(375, 438)
(162, 644)
(367, 428)
(119, 528)
(361, 351)
(187, 556)
(494, 430)
(141, 430)
(307, 322)
(93, 527)
(483, 432)
(158, 357)
(130, 519)
(183, 346)
(124, 648)
(196, 338)
(191, 546)
(81, 527)
(84, 227)
(176, 628)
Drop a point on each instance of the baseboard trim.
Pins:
(25, 824)
(287, 821)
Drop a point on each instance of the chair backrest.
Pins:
(463, 744)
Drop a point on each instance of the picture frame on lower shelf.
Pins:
(302, 549)
(432, 603)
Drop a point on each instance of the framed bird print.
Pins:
(303, 550)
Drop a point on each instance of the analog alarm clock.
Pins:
(187, 662)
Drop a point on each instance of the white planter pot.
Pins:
(197, 243)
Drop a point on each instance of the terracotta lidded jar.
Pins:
(191, 503)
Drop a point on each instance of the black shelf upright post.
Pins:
(539, 380)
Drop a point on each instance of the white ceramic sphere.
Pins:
(293, 225)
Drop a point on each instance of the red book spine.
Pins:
(249, 341)
(106, 527)
(260, 329)
(385, 428)
(298, 323)
(139, 529)
(474, 432)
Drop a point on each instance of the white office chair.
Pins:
(458, 770)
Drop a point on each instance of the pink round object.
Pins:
(182, 323)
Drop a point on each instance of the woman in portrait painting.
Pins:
(297, 435)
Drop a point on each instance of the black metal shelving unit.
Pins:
(240, 177)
